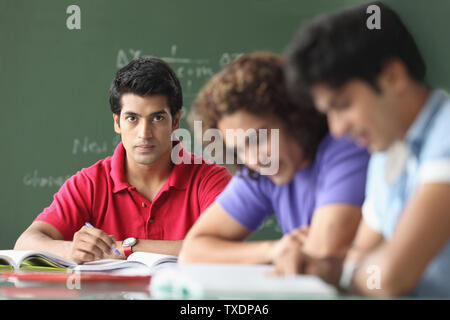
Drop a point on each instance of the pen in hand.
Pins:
(114, 249)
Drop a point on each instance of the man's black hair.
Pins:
(146, 76)
(336, 47)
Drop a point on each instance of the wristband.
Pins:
(347, 274)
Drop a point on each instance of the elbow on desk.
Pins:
(187, 251)
(183, 256)
(397, 284)
(21, 242)
(394, 283)
(195, 249)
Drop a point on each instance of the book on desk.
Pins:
(137, 262)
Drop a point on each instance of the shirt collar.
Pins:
(416, 132)
(178, 178)
(118, 169)
(398, 153)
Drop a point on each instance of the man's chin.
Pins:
(145, 160)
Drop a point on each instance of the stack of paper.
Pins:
(237, 281)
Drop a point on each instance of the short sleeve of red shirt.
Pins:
(71, 206)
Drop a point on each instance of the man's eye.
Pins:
(341, 105)
(158, 118)
(131, 119)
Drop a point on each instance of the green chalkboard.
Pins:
(54, 81)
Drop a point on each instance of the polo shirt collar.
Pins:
(398, 153)
(178, 178)
(416, 133)
(118, 169)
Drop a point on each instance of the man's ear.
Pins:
(394, 76)
(176, 120)
(116, 123)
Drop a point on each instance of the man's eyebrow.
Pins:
(158, 112)
(130, 113)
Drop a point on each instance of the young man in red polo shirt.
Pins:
(138, 199)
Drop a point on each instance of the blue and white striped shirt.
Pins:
(394, 175)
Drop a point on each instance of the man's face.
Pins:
(145, 125)
(357, 110)
(281, 152)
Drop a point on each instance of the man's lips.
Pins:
(145, 147)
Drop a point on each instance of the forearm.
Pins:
(357, 253)
(171, 247)
(379, 276)
(327, 244)
(367, 240)
(332, 230)
(41, 242)
(216, 250)
(422, 231)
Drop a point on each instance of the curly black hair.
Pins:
(255, 83)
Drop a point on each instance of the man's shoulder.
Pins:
(337, 151)
(201, 175)
(436, 142)
(204, 167)
(100, 169)
(332, 146)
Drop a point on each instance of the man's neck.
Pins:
(148, 179)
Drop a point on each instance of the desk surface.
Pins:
(10, 290)
(101, 285)
(68, 285)
(89, 291)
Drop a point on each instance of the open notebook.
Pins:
(44, 261)
(234, 281)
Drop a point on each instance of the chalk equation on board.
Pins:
(87, 145)
(188, 70)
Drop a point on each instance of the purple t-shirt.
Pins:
(337, 175)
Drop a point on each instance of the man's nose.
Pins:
(145, 130)
(338, 125)
(257, 156)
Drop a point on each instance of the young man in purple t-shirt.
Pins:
(316, 193)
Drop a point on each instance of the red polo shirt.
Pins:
(102, 196)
